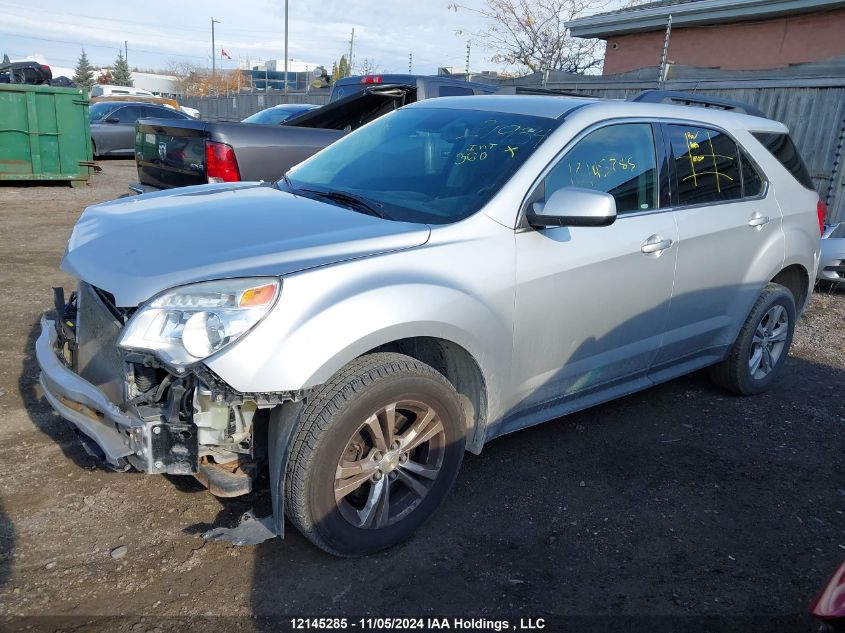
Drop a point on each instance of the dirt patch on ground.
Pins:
(681, 500)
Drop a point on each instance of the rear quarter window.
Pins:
(752, 182)
(781, 147)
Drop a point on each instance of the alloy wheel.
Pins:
(769, 342)
(389, 464)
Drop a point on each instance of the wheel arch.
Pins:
(448, 355)
(462, 371)
(796, 279)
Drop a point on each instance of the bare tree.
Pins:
(530, 34)
(368, 66)
(188, 76)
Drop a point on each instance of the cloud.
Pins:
(385, 32)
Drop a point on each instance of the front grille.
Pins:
(99, 360)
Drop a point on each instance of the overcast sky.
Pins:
(386, 31)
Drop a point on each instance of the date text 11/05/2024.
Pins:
(422, 624)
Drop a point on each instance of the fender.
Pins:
(805, 250)
(328, 316)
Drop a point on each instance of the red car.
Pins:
(829, 605)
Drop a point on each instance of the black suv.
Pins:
(26, 73)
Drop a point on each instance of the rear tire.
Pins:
(376, 452)
(756, 357)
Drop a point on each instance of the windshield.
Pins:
(274, 116)
(426, 165)
(99, 110)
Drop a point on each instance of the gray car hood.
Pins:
(137, 247)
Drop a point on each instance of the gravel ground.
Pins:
(679, 501)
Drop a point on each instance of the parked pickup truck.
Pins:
(180, 153)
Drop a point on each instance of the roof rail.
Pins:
(685, 98)
(511, 89)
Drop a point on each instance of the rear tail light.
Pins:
(830, 603)
(821, 209)
(220, 163)
(372, 79)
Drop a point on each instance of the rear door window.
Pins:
(782, 148)
(706, 163)
(454, 91)
(128, 115)
(162, 113)
(616, 159)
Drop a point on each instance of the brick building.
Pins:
(737, 35)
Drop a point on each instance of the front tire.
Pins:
(756, 357)
(377, 451)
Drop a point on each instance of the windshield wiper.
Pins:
(352, 200)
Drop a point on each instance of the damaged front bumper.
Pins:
(122, 436)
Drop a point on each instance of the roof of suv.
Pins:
(543, 106)
(23, 64)
(148, 104)
(556, 107)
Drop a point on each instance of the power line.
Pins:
(133, 22)
(116, 46)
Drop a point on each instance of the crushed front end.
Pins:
(133, 410)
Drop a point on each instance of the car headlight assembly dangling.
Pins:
(190, 323)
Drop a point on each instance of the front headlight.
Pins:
(190, 323)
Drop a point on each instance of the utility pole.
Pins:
(469, 46)
(664, 62)
(286, 50)
(126, 52)
(213, 49)
(351, 43)
(410, 63)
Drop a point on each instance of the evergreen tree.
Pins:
(84, 75)
(343, 67)
(121, 75)
(6, 59)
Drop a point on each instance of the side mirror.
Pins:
(111, 119)
(574, 206)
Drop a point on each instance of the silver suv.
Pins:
(459, 269)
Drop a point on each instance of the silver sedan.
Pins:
(832, 262)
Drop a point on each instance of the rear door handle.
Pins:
(756, 221)
(655, 244)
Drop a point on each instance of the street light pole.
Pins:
(286, 50)
(213, 49)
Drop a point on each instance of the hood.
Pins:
(137, 247)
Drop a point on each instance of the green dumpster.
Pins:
(44, 133)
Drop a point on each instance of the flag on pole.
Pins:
(223, 53)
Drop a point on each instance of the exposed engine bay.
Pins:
(187, 420)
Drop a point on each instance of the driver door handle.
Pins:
(655, 244)
(757, 220)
